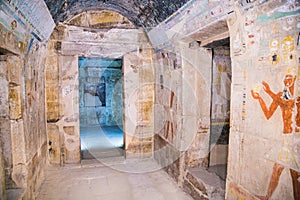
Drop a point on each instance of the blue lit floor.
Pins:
(101, 142)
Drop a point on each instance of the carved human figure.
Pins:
(222, 90)
(285, 100)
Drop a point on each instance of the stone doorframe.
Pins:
(62, 86)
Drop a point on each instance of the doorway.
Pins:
(101, 107)
(220, 107)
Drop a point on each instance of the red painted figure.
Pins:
(285, 100)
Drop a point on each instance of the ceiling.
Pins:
(142, 13)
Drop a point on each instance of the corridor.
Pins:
(94, 181)
(101, 142)
(152, 100)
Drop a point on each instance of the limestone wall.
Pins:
(22, 105)
(263, 160)
(182, 113)
(139, 100)
(67, 44)
(264, 139)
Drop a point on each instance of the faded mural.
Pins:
(166, 94)
(286, 101)
(265, 52)
(221, 86)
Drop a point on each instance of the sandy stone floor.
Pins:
(126, 180)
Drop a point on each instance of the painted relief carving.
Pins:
(221, 96)
(238, 45)
(216, 11)
(252, 33)
(13, 24)
(274, 46)
(286, 101)
(289, 23)
(287, 49)
(170, 118)
(144, 104)
(287, 54)
(222, 85)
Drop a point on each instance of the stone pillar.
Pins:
(138, 102)
(196, 94)
(3, 120)
(52, 83)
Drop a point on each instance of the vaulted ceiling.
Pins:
(142, 13)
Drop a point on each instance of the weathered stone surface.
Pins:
(52, 73)
(71, 150)
(168, 157)
(53, 109)
(15, 102)
(190, 189)
(19, 169)
(140, 13)
(198, 185)
(52, 93)
(29, 17)
(54, 147)
(205, 183)
(2, 169)
(11, 42)
(139, 146)
(14, 69)
(69, 130)
(101, 20)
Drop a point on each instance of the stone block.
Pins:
(15, 102)
(53, 143)
(14, 69)
(190, 189)
(72, 155)
(18, 142)
(52, 73)
(69, 130)
(58, 32)
(52, 93)
(199, 182)
(73, 118)
(234, 152)
(193, 159)
(167, 157)
(53, 110)
(19, 170)
(189, 132)
(4, 105)
(2, 168)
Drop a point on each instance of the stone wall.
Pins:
(138, 101)
(22, 105)
(264, 141)
(142, 13)
(67, 44)
(263, 160)
(182, 115)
